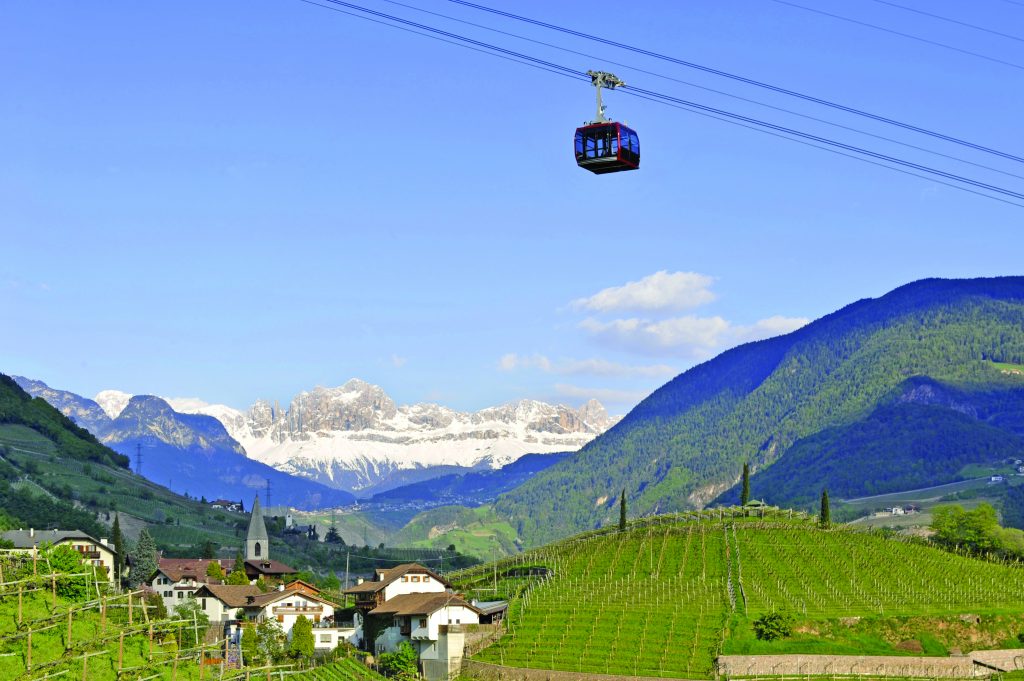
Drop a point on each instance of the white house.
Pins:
(95, 552)
(408, 578)
(418, 618)
(179, 578)
(222, 603)
(419, 606)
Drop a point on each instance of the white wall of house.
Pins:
(449, 615)
(424, 630)
(173, 593)
(328, 639)
(288, 609)
(105, 557)
(215, 609)
(412, 584)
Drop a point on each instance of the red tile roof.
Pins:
(421, 604)
(387, 576)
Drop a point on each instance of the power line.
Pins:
(702, 87)
(432, 37)
(831, 151)
(743, 79)
(825, 140)
(901, 34)
(667, 99)
(952, 21)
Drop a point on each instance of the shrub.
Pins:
(773, 625)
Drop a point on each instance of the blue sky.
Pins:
(236, 200)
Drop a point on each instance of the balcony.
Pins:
(299, 610)
(420, 634)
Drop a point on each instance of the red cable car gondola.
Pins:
(604, 146)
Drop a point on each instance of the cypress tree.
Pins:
(144, 560)
(826, 511)
(622, 510)
(745, 495)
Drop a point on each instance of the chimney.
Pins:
(31, 531)
(280, 587)
(359, 580)
(250, 600)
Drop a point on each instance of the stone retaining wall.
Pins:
(977, 664)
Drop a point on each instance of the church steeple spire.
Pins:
(257, 543)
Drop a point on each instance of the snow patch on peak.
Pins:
(112, 402)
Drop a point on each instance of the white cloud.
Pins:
(398, 362)
(589, 367)
(659, 291)
(690, 336)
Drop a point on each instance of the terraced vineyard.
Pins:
(841, 573)
(660, 599)
(347, 669)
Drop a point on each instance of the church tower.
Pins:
(257, 543)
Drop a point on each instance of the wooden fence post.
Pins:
(67, 644)
(28, 657)
(130, 620)
(120, 651)
(85, 667)
(19, 604)
(103, 614)
(53, 586)
(150, 642)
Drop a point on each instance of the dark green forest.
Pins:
(897, 447)
(686, 443)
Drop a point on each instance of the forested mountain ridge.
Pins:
(686, 443)
(924, 434)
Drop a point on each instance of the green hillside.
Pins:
(897, 447)
(686, 443)
(668, 595)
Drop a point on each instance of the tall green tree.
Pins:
(239, 563)
(209, 549)
(745, 494)
(826, 509)
(145, 560)
(622, 510)
(301, 646)
(117, 537)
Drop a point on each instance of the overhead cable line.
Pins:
(707, 89)
(743, 79)
(832, 151)
(918, 38)
(697, 108)
(434, 37)
(948, 19)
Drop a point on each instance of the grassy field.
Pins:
(666, 597)
(94, 649)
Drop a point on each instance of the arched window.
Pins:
(258, 550)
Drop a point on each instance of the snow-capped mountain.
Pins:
(355, 437)
(189, 452)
